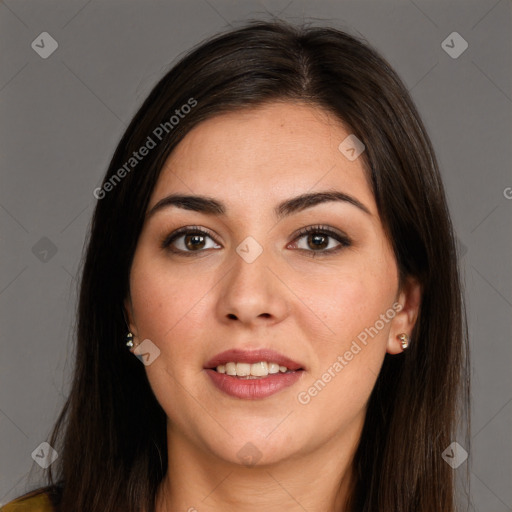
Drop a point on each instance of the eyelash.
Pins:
(324, 230)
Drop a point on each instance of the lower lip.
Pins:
(252, 389)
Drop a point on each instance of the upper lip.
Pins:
(252, 356)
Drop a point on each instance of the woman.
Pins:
(273, 245)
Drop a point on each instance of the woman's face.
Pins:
(327, 300)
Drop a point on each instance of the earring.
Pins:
(404, 339)
(129, 340)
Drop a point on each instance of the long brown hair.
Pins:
(111, 433)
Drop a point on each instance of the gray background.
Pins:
(61, 117)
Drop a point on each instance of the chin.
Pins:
(256, 451)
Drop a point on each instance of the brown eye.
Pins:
(193, 242)
(318, 240)
(188, 240)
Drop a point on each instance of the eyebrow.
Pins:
(211, 206)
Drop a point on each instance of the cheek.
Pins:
(344, 313)
(342, 302)
(352, 317)
(169, 311)
(169, 306)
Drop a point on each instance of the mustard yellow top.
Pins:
(39, 503)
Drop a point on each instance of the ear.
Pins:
(407, 306)
(128, 313)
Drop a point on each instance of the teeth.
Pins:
(258, 369)
(231, 368)
(247, 370)
(243, 369)
(273, 368)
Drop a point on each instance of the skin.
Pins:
(310, 309)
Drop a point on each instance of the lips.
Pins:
(256, 389)
(252, 356)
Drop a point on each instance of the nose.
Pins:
(253, 292)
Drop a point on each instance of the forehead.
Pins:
(264, 154)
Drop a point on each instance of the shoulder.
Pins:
(39, 503)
